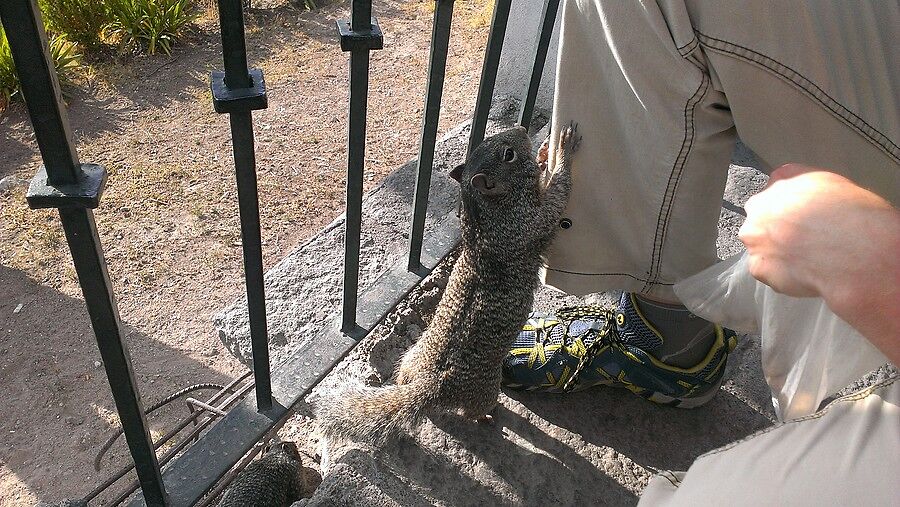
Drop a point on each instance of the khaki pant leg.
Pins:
(846, 454)
(653, 134)
(656, 88)
(815, 82)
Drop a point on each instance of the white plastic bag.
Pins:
(808, 352)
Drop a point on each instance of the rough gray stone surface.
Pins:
(519, 43)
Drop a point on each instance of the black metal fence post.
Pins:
(437, 66)
(548, 19)
(358, 36)
(238, 91)
(75, 189)
(489, 72)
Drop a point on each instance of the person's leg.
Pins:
(657, 139)
(654, 88)
(646, 198)
(812, 82)
(846, 454)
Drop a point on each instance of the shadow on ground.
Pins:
(56, 408)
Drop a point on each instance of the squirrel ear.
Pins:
(456, 173)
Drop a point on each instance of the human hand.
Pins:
(815, 233)
(810, 229)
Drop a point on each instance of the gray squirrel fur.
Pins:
(278, 479)
(511, 208)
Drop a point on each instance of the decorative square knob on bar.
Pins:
(84, 193)
(366, 39)
(238, 100)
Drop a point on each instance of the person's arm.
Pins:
(815, 233)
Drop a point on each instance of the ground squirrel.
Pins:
(511, 207)
(278, 479)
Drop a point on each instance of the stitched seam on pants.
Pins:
(675, 175)
(602, 274)
(667, 221)
(687, 48)
(809, 88)
(670, 476)
(857, 396)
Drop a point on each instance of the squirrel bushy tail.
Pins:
(374, 414)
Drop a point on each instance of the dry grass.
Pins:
(39, 247)
(475, 13)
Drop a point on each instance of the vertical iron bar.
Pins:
(356, 150)
(361, 15)
(87, 255)
(548, 19)
(251, 242)
(40, 87)
(234, 47)
(234, 53)
(437, 66)
(489, 73)
(28, 44)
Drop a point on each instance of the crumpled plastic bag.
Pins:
(808, 352)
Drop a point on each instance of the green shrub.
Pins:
(151, 24)
(9, 83)
(63, 53)
(81, 21)
(65, 57)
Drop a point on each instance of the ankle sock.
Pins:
(686, 337)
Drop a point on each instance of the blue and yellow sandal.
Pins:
(585, 346)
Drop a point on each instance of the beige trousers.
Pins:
(661, 90)
(846, 454)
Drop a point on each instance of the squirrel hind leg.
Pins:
(480, 409)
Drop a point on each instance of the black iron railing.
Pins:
(238, 91)
(75, 188)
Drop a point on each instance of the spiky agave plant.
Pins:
(63, 53)
(151, 24)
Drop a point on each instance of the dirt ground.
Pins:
(169, 220)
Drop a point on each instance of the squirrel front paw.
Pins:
(569, 142)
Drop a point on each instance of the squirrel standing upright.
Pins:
(510, 212)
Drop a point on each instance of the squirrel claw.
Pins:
(569, 140)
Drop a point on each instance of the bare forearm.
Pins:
(869, 300)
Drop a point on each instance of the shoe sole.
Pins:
(655, 397)
(687, 403)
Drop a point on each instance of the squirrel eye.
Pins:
(509, 155)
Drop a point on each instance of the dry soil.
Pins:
(168, 220)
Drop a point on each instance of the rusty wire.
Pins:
(213, 401)
(169, 399)
(171, 453)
